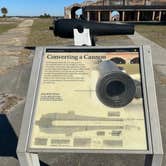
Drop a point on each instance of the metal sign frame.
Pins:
(154, 154)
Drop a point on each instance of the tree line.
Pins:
(4, 11)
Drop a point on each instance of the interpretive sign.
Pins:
(91, 100)
(68, 113)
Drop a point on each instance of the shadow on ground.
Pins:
(9, 139)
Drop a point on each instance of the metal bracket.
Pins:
(82, 39)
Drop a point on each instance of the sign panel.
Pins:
(70, 114)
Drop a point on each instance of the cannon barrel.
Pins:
(114, 87)
(64, 28)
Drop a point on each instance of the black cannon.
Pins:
(64, 28)
(115, 88)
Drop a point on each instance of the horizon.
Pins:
(33, 8)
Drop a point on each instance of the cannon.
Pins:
(64, 28)
(114, 87)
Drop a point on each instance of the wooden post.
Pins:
(145, 2)
(99, 16)
(88, 16)
(110, 16)
(153, 17)
(124, 2)
(138, 16)
(103, 2)
(160, 15)
(123, 16)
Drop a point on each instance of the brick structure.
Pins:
(129, 10)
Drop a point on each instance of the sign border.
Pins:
(149, 103)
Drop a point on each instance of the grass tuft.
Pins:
(156, 33)
(41, 35)
(6, 27)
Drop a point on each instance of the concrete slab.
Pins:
(161, 96)
(16, 81)
(8, 62)
(91, 160)
(8, 161)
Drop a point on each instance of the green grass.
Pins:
(41, 35)
(156, 33)
(6, 27)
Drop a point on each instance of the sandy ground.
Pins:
(15, 82)
(12, 45)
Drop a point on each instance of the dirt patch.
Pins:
(12, 45)
(7, 101)
(161, 74)
(41, 35)
(4, 27)
(163, 80)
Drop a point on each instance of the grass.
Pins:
(6, 27)
(156, 33)
(41, 35)
(113, 40)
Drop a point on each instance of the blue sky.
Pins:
(36, 7)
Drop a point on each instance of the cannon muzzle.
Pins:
(114, 88)
(64, 28)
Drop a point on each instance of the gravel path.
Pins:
(12, 46)
(16, 36)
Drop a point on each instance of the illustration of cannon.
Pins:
(46, 123)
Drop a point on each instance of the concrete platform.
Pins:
(15, 81)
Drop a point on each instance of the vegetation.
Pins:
(4, 11)
(41, 35)
(45, 15)
(156, 33)
(6, 27)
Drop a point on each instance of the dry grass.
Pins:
(156, 33)
(8, 101)
(7, 24)
(113, 40)
(41, 35)
(6, 27)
